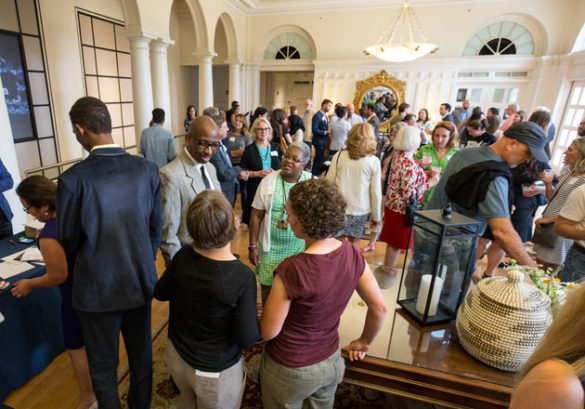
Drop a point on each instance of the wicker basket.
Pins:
(502, 320)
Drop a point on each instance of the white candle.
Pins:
(423, 293)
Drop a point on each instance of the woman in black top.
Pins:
(279, 129)
(259, 159)
(476, 135)
(212, 308)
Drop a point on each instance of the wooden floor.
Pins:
(56, 387)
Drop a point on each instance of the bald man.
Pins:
(189, 174)
(352, 117)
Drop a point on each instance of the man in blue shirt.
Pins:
(321, 135)
(462, 113)
(6, 183)
(157, 144)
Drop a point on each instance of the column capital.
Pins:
(162, 43)
(139, 41)
(233, 61)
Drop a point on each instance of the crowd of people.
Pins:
(307, 182)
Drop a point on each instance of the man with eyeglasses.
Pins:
(478, 183)
(189, 174)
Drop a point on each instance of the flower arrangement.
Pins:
(547, 282)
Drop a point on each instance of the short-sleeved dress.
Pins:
(283, 242)
(72, 334)
(567, 183)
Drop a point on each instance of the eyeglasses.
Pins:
(292, 158)
(26, 209)
(262, 129)
(206, 144)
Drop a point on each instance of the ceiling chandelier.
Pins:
(401, 50)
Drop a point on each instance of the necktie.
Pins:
(204, 177)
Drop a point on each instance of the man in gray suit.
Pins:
(189, 174)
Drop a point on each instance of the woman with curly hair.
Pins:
(408, 182)
(444, 146)
(356, 171)
(301, 363)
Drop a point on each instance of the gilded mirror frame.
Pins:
(380, 79)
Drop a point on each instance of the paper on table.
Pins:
(32, 254)
(8, 270)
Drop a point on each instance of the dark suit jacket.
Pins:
(319, 126)
(226, 173)
(251, 160)
(448, 118)
(6, 183)
(375, 122)
(109, 214)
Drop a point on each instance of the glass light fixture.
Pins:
(401, 50)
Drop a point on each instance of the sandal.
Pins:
(368, 248)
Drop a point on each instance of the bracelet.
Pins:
(253, 248)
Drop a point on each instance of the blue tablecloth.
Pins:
(31, 335)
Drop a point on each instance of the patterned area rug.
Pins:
(165, 396)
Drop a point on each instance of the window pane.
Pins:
(28, 16)
(578, 117)
(32, 51)
(475, 94)
(124, 68)
(129, 136)
(127, 114)
(118, 136)
(85, 29)
(575, 95)
(563, 138)
(569, 117)
(121, 39)
(109, 91)
(104, 34)
(91, 85)
(38, 88)
(48, 153)
(43, 121)
(499, 95)
(89, 60)
(8, 19)
(115, 114)
(582, 100)
(126, 89)
(106, 62)
(28, 155)
(513, 95)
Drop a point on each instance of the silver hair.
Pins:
(303, 147)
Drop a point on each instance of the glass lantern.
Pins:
(438, 265)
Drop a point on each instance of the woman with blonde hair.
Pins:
(260, 159)
(356, 171)
(407, 184)
(571, 177)
(435, 156)
(554, 376)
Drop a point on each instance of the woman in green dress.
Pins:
(271, 238)
(435, 156)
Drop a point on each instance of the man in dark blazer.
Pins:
(321, 135)
(445, 111)
(182, 180)
(109, 214)
(227, 174)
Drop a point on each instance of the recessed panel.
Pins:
(28, 16)
(89, 60)
(43, 121)
(8, 18)
(128, 114)
(48, 152)
(115, 114)
(109, 91)
(126, 89)
(28, 156)
(91, 84)
(124, 66)
(85, 29)
(106, 62)
(104, 34)
(38, 88)
(32, 51)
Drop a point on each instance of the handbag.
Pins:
(283, 145)
(412, 206)
(544, 235)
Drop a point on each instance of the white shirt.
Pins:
(339, 130)
(199, 165)
(355, 119)
(574, 210)
(360, 183)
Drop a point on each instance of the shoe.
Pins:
(368, 248)
(385, 278)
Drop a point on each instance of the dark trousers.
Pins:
(101, 332)
(310, 145)
(5, 226)
(319, 159)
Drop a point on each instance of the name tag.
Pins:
(206, 374)
(273, 153)
(323, 118)
(472, 143)
(232, 138)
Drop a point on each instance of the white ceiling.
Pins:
(301, 6)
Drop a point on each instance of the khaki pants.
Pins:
(221, 390)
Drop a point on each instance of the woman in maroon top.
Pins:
(302, 364)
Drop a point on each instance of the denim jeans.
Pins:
(311, 386)
(574, 269)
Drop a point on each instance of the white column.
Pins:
(205, 79)
(160, 77)
(245, 89)
(255, 85)
(234, 81)
(141, 83)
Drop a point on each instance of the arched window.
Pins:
(288, 46)
(501, 38)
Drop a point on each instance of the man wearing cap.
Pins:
(487, 194)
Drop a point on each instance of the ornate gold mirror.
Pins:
(380, 88)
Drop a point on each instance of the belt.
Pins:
(579, 248)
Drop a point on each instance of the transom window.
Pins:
(287, 53)
(288, 46)
(502, 38)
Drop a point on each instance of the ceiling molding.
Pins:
(259, 7)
